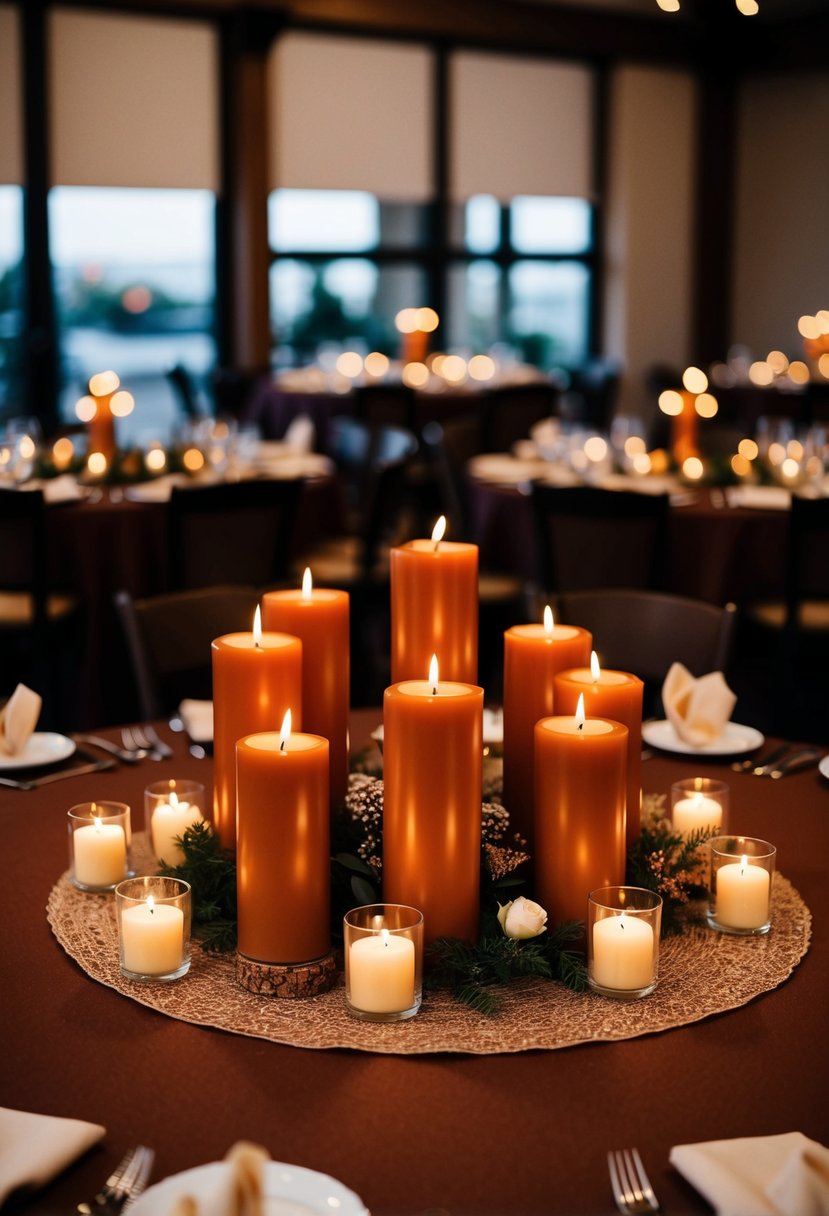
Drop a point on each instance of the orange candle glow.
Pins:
(432, 767)
(434, 608)
(579, 811)
(283, 851)
(616, 695)
(320, 619)
(533, 655)
(256, 677)
(685, 429)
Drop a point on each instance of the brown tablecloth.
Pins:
(499, 1134)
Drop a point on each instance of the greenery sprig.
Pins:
(670, 864)
(211, 872)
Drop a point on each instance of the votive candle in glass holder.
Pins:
(742, 870)
(170, 808)
(623, 926)
(99, 838)
(383, 962)
(699, 803)
(154, 918)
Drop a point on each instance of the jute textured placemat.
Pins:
(700, 973)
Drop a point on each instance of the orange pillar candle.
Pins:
(432, 769)
(256, 677)
(616, 695)
(579, 811)
(283, 851)
(434, 608)
(533, 654)
(684, 429)
(319, 617)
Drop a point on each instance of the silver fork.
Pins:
(140, 1176)
(631, 1186)
(131, 1172)
(130, 755)
(145, 737)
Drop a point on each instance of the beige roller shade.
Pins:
(519, 126)
(134, 101)
(11, 109)
(350, 114)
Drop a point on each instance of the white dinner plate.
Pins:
(823, 767)
(43, 747)
(732, 741)
(290, 1190)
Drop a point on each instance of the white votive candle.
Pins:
(743, 895)
(622, 953)
(696, 812)
(381, 973)
(152, 938)
(100, 854)
(169, 821)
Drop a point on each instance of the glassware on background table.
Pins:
(99, 841)
(742, 871)
(21, 440)
(699, 803)
(383, 946)
(154, 921)
(170, 808)
(623, 927)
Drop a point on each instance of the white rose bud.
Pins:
(522, 918)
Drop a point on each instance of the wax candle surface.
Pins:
(743, 895)
(100, 854)
(320, 620)
(381, 973)
(283, 854)
(168, 821)
(533, 655)
(434, 610)
(432, 765)
(579, 812)
(696, 812)
(152, 938)
(616, 695)
(253, 686)
(622, 953)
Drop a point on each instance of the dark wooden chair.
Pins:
(508, 413)
(386, 405)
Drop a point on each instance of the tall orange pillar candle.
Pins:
(434, 608)
(579, 812)
(685, 428)
(533, 654)
(432, 768)
(616, 695)
(319, 617)
(283, 851)
(256, 677)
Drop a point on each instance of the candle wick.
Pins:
(581, 726)
(282, 745)
(436, 546)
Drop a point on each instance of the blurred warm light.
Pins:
(376, 364)
(5, 456)
(794, 448)
(722, 375)
(790, 468)
(26, 447)
(426, 320)
(436, 363)
(103, 383)
(415, 375)
(579, 461)
(97, 464)
(350, 364)
(453, 369)
(641, 463)
(155, 460)
(777, 361)
(406, 320)
(122, 404)
(634, 445)
(798, 372)
(86, 408)
(695, 380)
(760, 373)
(706, 405)
(749, 8)
(221, 430)
(216, 455)
(822, 319)
(740, 465)
(823, 365)
(481, 367)
(192, 460)
(595, 448)
(671, 403)
(659, 461)
(63, 450)
(776, 453)
(808, 327)
(814, 467)
(668, 6)
(136, 299)
(692, 468)
(748, 449)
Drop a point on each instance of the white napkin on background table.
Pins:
(197, 717)
(18, 718)
(63, 488)
(785, 1175)
(35, 1148)
(761, 498)
(697, 708)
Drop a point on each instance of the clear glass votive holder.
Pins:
(154, 920)
(742, 871)
(99, 842)
(699, 803)
(383, 946)
(623, 927)
(170, 808)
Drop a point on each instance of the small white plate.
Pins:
(43, 747)
(734, 739)
(290, 1190)
(823, 767)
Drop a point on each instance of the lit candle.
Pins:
(256, 677)
(432, 767)
(168, 822)
(623, 953)
(434, 608)
(320, 619)
(743, 892)
(696, 812)
(283, 851)
(580, 777)
(381, 973)
(100, 853)
(533, 655)
(616, 695)
(152, 938)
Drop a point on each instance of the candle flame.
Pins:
(285, 730)
(548, 621)
(433, 674)
(439, 531)
(580, 712)
(595, 670)
(173, 798)
(384, 936)
(743, 862)
(151, 903)
(97, 819)
(257, 627)
(307, 584)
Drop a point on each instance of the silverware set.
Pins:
(137, 743)
(123, 1186)
(779, 762)
(631, 1186)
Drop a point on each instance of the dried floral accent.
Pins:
(502, 861)
(669, 863)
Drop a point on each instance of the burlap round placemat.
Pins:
(700, 973)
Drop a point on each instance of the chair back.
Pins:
(392, 451)
(184, 390)
(807, 556)
(237, 532)
(23, 568)
(508, 413)
(386, 405)
(449, 446)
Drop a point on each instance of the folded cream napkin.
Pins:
(34, 1148)
(786, 1175)
(18, 718)
(63, 488)
(698, 709)
(240, 1191)
(197, 717)
(761, 498)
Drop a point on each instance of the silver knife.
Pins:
(94, 766)
(804, 759)
(743, 766)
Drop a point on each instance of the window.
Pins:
(11, 307)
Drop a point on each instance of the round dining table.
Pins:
(493, 1134)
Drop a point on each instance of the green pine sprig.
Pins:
(211, 872)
